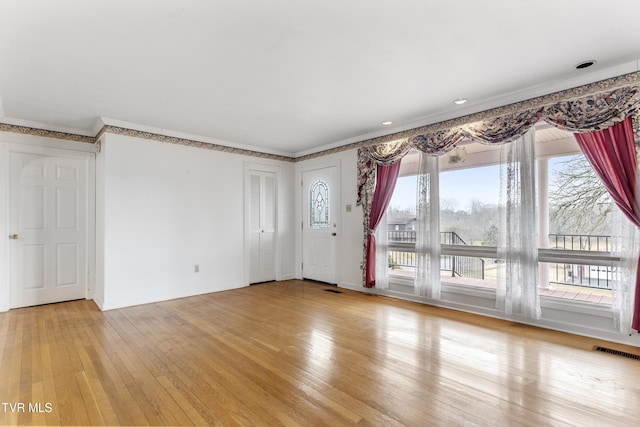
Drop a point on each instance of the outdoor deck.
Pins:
(593, 295)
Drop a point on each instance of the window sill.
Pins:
(405, 286)
(583, 307)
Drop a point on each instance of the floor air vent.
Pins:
(617, 352)
(333, 291)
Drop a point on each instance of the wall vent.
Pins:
(617, 352)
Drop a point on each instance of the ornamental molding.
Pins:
(631, 79)
(26, 130)
(116, 130)
(626, 80)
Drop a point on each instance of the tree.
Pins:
(490, 236)
(579, 203)
(448, 204)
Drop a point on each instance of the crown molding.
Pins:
(110, 126)
(489, 109)
(583, 80)
(115, 123)
(152, 136)
(45, 133)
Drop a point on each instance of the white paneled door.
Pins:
(320, 224)
(262, 226)
(48, 229)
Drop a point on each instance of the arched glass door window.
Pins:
(319, 204)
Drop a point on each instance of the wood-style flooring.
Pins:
(291, 353)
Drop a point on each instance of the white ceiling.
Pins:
(293, 76)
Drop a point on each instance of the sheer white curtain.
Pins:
(517, 288)
(382, 254)
(427, 281)
(626, 245)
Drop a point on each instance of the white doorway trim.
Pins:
(300, 200)
(276, 170)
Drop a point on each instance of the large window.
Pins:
(574, 220)
(468, 218)
(401, 222)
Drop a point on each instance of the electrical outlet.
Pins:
(196, 268)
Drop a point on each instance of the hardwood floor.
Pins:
(290, 353)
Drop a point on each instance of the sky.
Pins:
(462, 186)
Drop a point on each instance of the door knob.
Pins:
(13, 236)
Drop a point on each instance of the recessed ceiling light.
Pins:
(387, 122)
(460, 101)
(586, 64)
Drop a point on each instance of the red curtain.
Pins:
(612, 155)
(386, 177)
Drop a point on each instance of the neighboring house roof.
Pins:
(400, 221)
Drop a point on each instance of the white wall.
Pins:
(98, 294)
(164, 208)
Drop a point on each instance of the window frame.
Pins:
(544, 150)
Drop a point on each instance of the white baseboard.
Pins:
(99, 303)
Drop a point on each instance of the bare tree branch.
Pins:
(579, 203)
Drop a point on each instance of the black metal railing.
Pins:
(459, 266)
(409, 236)
(463, 266)
(404, 236)
(589, 276)
(585, 276)
(451, 238)
(580, 242)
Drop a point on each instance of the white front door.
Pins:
(262, 226)
(320, 224)
(48, 226)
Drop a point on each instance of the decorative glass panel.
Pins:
(319, 205)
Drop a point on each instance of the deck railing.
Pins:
(458, 266)
(402, 254)
(588, 276)
(580, 242)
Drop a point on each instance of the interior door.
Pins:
(262, 226)
(48, 226)
(320, 224)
